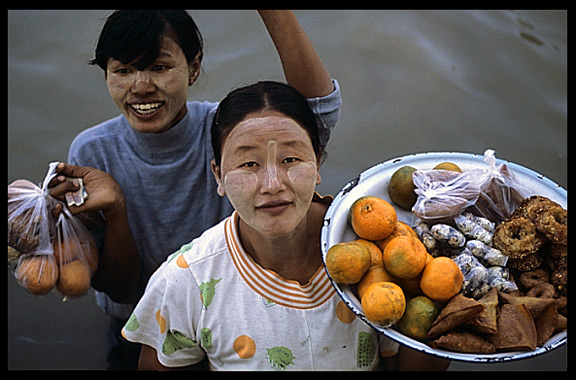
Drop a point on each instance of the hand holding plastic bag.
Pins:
(43, 253)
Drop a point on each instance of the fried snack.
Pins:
(535, 305)
(532, 278)
(487, 320)
(543, 290)
(533, 206)
(517, 238)
(463, 341)
(458, 310)
(553, 223)
(516, 329)
(546, 324)
(527, 263)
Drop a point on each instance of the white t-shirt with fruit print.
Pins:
(211, 299)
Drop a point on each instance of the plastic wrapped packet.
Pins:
(443, 194)
(487, 255)
(475, 227)
(501, 193)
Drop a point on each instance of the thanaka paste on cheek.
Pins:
(240, 185)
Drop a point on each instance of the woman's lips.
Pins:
(145, 108)
(274, 207)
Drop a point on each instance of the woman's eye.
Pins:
(250, 164)
(290, 160)
(159, 67)
(121, 71)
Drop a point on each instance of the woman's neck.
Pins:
(296, 256)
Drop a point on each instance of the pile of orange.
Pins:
(388, 262)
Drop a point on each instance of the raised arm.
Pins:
(302, 66)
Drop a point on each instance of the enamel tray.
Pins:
(374, 181)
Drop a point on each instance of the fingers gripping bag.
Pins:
(76, 254)
(30, 234)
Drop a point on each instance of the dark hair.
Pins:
(259, 97)
(135, 36)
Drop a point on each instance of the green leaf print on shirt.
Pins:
(279, 357)
(365, 351)
(207, 291)
(175, 341)
(132, 324)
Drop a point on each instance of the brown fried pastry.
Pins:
(458, 310)
(517, 238)
(516, 329)
(487, 320)
(553, 223)
(462, 341)
(531, 207)
(535, 305)
(546, 324)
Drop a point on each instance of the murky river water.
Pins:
(412, 81)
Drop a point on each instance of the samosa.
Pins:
(487, 321)
(516, 329)
(458, 310)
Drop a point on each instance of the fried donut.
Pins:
(553, 223)
(527, 263)
(559, 279)
(531, 207)
(517, 238)
(533, 278)
(542, 290)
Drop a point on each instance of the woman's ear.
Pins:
(216, 171)
(194, 69)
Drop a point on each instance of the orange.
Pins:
(441, 279)
(420, 313)
(347, 262)
(384, 303)
(375, 252)
(372, 218)
(38, 274)
(404, 257)
(448, 166)
(376, 273)
(74, 280)
(402, 229)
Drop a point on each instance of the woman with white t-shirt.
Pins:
(251, 293)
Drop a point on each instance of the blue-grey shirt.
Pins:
(169, 188)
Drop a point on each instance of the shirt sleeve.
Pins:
(166, 316)
(388, 347)
(327, 111)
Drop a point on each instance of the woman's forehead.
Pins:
(263, 128)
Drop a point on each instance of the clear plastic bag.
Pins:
(501, 193)
(443, 194)
(30, 234)
(44, 253)
(493, 193)
(76, 254)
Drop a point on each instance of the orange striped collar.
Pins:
(270, 284)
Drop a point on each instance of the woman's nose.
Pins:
(142, 82)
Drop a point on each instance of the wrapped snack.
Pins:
(501, 193)
(444, 193)
(487, 255)
(474, 227)
(449, 235)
